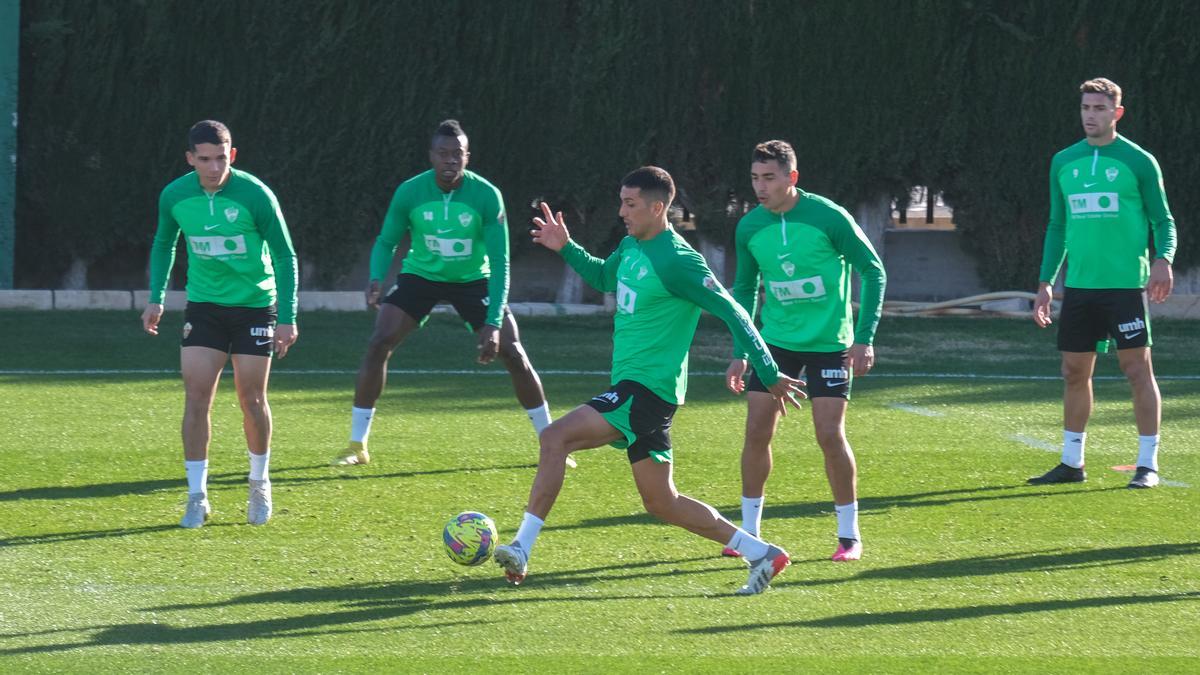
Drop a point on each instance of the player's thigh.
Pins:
(392, 326)
(654, 480)
(1078, 365)
(414, 295)
(250, 375)
(201, 369)
(1135, 362)
(1082, 322)
(762, 416)
(580, 429)
(829, 416)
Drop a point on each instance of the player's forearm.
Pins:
(495, 239)
(870, 304)
(1164, 239)
(381, 258)
(593, 270)
(162, 259)
(1054, 250)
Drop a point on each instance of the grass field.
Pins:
(967, 569)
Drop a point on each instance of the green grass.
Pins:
(967, 569)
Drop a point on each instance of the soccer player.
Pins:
(802, 248)
(661, 285)
(459, 254)
(241, 280)
(1106, 199)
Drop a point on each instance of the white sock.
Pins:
(1148, 452)
(540, 416)
(360, 423)
(752, 514)
(750, 546)
(531, 526)
(258, 465)
(197, 475)
(1072, 449)
(847, 521)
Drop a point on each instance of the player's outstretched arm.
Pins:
(1041, 305)
(151, 316)
(550, 230)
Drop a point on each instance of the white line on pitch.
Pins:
(1034, 442)
(916, 410)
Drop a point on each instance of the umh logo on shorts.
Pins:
(262, 331)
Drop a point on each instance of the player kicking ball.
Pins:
(662, 284)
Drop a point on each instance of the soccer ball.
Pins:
(470, 538)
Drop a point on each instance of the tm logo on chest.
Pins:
(626, 298)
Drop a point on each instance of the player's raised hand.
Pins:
(285, 337)
(1041, 306)
(489, 343)
(151, 316)
(550, 230)
(861, 359)
(787, 391)
(1162, 280)
(734, 376)
(372, 294)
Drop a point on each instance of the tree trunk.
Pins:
(570, 287)
(75, 278)
(874, 216)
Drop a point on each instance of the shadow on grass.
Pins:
(865, 504)
(941, 614)
(1008, 563)
(358, 603)
(124, 488)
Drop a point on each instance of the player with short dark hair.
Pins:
(661, 285)
(241, 280)
(459, 254)
(801, 247)
(1106, 200)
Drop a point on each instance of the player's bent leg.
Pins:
(250, 374)
(201, 370)
(762, 420)
(526, 383)
(579, 429)
(392, 326)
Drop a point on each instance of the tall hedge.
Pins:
(331, 103)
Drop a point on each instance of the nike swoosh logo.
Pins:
(441, 231)
(1130, 336)
(784, 255)
(262, 342)
(831, 383)
(210, 227)
(1086, 185)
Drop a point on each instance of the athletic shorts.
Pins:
(828, 373)
(233, 330)
(1090, 315)
(417, 296)
(641, 416)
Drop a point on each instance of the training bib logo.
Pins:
(231, 213)
(626, 298)
(1099, 203)
(449, 248)
(801, 290)
(217, 247)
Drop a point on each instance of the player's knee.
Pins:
(1074, 374)
(831, 439)
(381, 345)
(1137, 372)
(659, 504)
(252, 400)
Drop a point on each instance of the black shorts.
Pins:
(1090, 315)
(417, 295)
(233, 330)
(641, 416)
(828, 373)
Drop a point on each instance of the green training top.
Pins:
(239, 251)
(804, 258)
(661, 285)
(1104, 202)
(457, 236)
